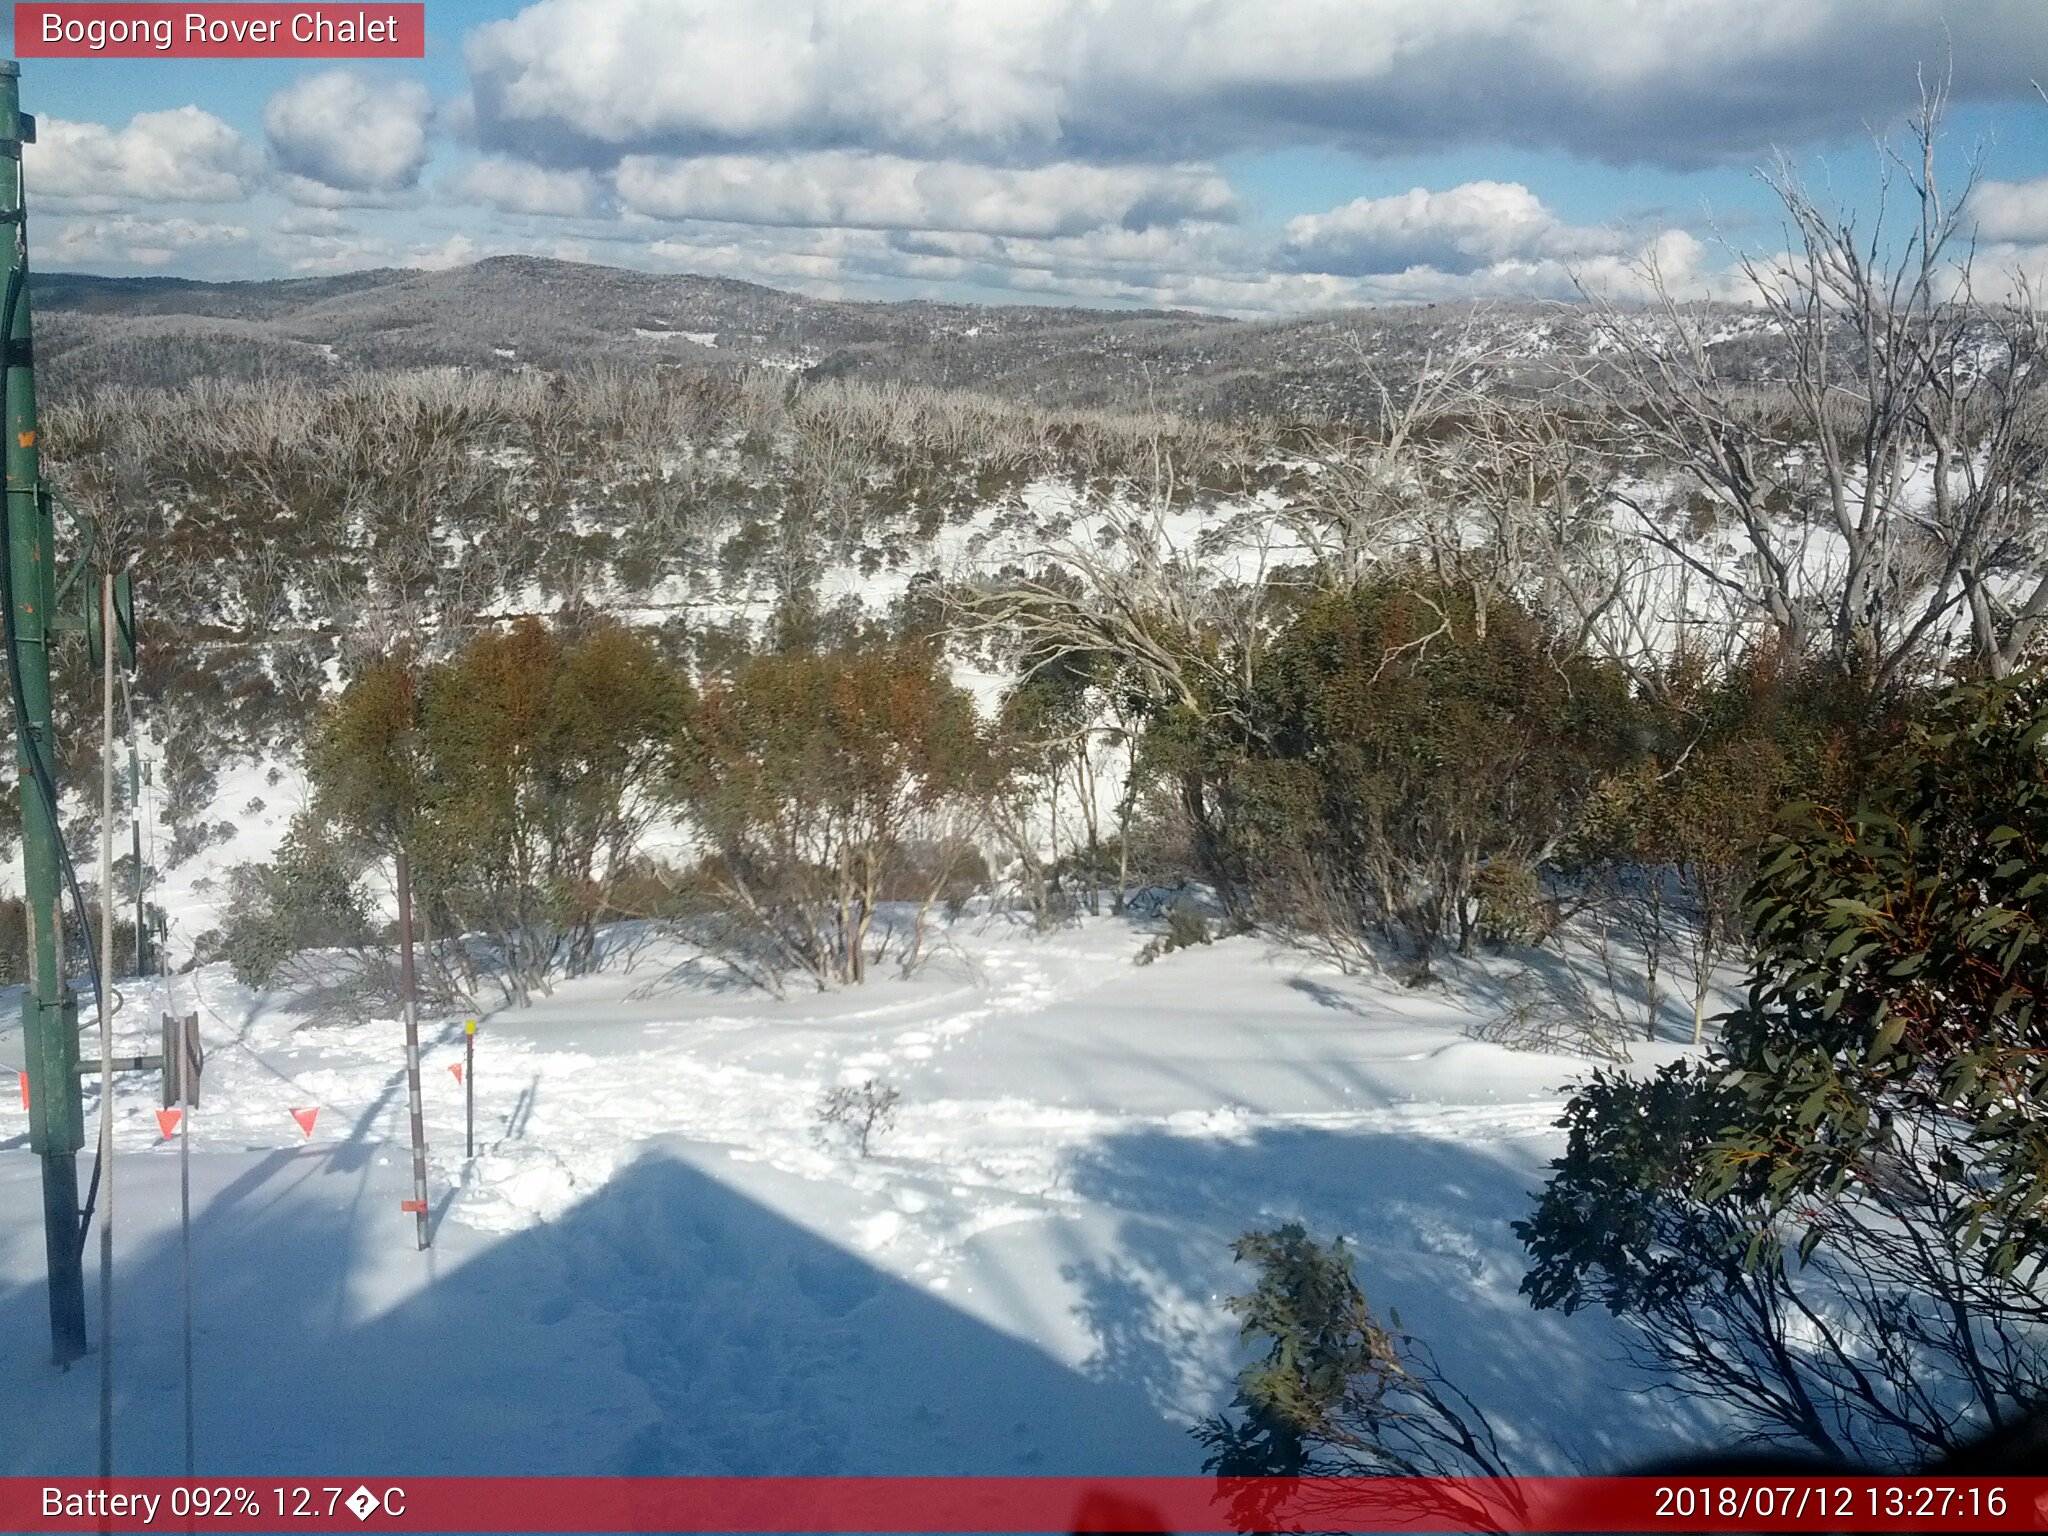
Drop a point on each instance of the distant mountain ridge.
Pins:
(510, 312)
(506, 311)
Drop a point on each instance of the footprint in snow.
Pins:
(837, 1286)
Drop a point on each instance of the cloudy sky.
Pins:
(1247, 156)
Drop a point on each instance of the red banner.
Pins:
(1018, 1504)
(246, 31)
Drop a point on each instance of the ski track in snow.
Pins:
(554, 1125)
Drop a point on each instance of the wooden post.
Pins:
(172, 1032)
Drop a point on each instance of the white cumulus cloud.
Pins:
(870, 191)
(137, 239)
(1673, 83)
(339, 132)
(1461, 229)
(2011, 210)
(515, 186)
(184, 155)
(904, 74)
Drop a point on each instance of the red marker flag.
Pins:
(306, 1117)
(168, 1119)
(415, 1206)
(24, 1090)
(456, 1068)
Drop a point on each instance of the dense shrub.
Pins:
(1900, 973)
(541, 757)
(309, 897)
(512, 780)
(1668, 843)
(1401, 742)
(1831, 1224)
(824, 782)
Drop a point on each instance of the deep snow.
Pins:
(660, 1263)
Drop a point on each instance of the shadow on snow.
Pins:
(672, 1325)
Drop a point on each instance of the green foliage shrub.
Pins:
(1336, 1392)
(514, 776)
(1902, 968)
(309, 897)
(822, 782)
(1831, 1224)
(1402, 739)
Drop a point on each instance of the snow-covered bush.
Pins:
(309, 897)
(859, 1112)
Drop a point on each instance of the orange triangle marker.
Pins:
(306, 1117)
(24, 1088)
(168, 1119)
(456, 1068)
(415, 1206)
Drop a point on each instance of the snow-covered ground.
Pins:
(659, 1263)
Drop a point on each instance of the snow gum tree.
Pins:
(543, 755)
(1069, 716)
(1901, 432)
(813, 778)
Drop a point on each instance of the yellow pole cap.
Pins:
(469, 1026)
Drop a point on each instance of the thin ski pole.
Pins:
(408, 986)
(106, 1024)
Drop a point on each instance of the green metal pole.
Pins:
(49, 1009)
